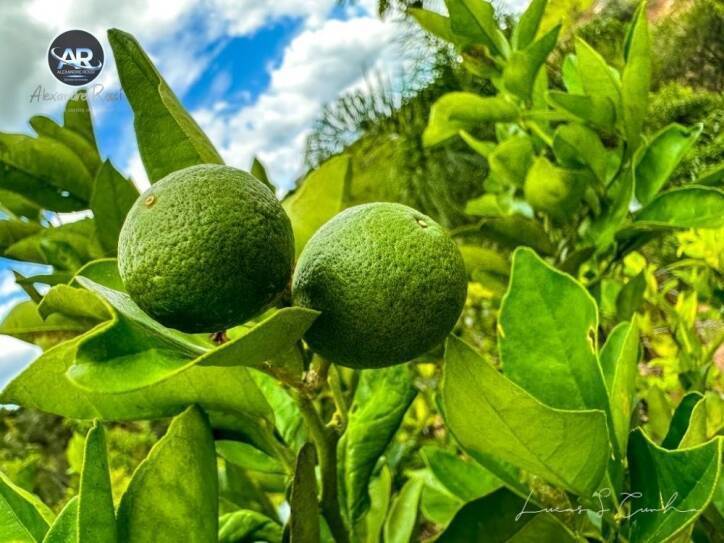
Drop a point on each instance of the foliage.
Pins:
(587, 362)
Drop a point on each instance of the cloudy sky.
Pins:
(254, 74)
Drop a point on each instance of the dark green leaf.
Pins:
(113, 196)
(77, 116)
(381, 400)
(17, 206)
(490, 415)
(45, 172)
(674, 486)
(159, 504)
(168, 137)
(248, 527)
(497, 518)
(322, 194)
(13, 230)
(514, 230)
(77, 143)
(659, 158)
(680, 420)
(527, 28)
(686, 207)
(23, 517)
(457, 111)
(304, 519)
(636, 77)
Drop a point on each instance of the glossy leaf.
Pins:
(75, 303)
(379, 490)
(304, 519)
(636, 77)
(546, 336)
(659, 158)
(65, 527)
(619, 362)
(322, 194)
(457, 111)
(23, 517)
(25, 323)
(248, 457)
(13, 230)
(381, 400)
(598, 110)
(168, 137)
(246, 525)
(525, 31)
(96, 514)
(287, 417)
(680, 420)
(497, 518)
(475, 21)
(571, 75)
(490, 415)
(706, 421)
(77, 143)
(514, 230)
(158, 504)
(596, 76)
(553, 190)
(465, 479)
(402, 518)
(672, 487)
(523, 66)
(576, 145)
(112, 197)
(686, 207)
(45, 172)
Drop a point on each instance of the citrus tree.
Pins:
(294, 414)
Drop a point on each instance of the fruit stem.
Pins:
(335, 385)
(325, 440)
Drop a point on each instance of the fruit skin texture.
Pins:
(389, 282)
(206, 248)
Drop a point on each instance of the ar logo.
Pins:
(75, 57)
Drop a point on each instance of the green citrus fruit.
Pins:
(206, 248)
(389, 282)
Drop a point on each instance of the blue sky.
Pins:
(255, 75)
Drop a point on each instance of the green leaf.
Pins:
(636, 77)
(511, 159)
(598, 110)
(322, 195)
(168, 137)
(96, 514)
(523, 66)
(13, 230)
(65, 526)
(497, 518)
(112, 197)
(686, 207)
(553, 190)
(483, 148)
(245, 525)
(45, 172)
(436, 24)
(75, 303)
(287, 417)
(44, 385)
(132, 351)
(674, 486)
(304, 519)
(23, 517)
(462, 478)
(656, 161)
(402, 518)
(381, 401)
(248, 457)
(379, 491)
(514, 230)
(77, 117)
(475, 21)
(576, 145)
(680, 420)
(77, 143)
(615, 211)
(619, 362)
(630, 297)
(596, 77)
(527, 28)
(17, 206)
(457, 111)
(481, 258)
(259, 171)
(571, 75)
(546, 335)
(706, 421)
(490, 415)
(159, 504)
(25, 323)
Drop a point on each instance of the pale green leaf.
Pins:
(248, 457)
(23, 517)
(527, 28)
(686, 207)
(402, 518)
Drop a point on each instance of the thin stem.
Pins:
(335, 385)
(325, 439)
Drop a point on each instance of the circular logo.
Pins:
(75, 57)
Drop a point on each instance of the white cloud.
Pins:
(316, 67)
(15, 355)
